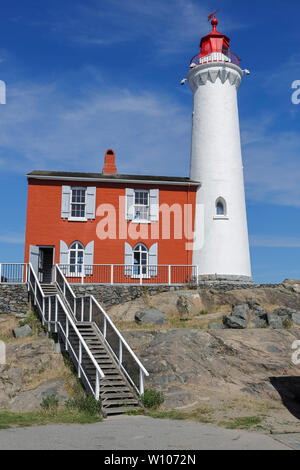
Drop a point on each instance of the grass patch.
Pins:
(9, 419)
(87, 405)
(200, 415)
(245, 422)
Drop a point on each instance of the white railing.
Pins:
(87, 309)
(13, 273)
(130, 274)
(54, 313)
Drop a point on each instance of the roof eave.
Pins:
(114, 180)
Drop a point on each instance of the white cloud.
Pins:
(266, 241)
(41, 127)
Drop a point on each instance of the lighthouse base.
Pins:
(224, 278)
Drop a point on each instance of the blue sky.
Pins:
(86, 75)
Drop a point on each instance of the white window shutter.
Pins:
(152, 257)
(34, 253)
(65, 202)
(90, 202)
(129, 203)
(154, 205)
(128, 261)
(89, 258)
(64, 256)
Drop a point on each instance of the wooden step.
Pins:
(109, 395)
(122, 409)
(120, 401)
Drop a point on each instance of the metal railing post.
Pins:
(79, 359)
(141, 382)
(169, 274)
(35, 292)
(91, 310)
(197, 275)
(97, 386)
(67, 333)
(49, 314)
(75, 308)
(82, 309)
(43, 312)
(120, 351)
(56, 313)
(104, 328)
(111, 273)
(0, 273)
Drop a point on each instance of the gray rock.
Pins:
(275, 321)
(151, 315)
(258, 310)
(183, 305)
(260, 321)
(234, 322)
(241, 311)
(22, 332)
(296, 318)
(284, 312)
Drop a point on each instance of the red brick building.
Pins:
(87, 222)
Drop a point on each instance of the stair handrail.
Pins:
(91, 298)
(56, 322)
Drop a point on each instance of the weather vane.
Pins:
(212, 15)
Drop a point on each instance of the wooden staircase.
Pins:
(116, 393)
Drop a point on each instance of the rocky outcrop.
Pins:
(32, 372)
(193, 366)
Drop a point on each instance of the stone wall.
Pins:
(109, 295)
(13, 298)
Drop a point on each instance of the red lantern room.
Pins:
(214, 41)
(215, 48)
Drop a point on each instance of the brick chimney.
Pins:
(109, 163)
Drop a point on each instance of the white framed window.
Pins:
(76, 259)
(78, 204)
(141, 206)
(140, 260)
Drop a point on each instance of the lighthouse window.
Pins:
(220, 207)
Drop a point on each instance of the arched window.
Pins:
(140, 259)
(76, 258)
(220, 206)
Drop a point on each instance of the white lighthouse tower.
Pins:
(221, 248)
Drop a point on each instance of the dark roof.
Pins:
(116, 178)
